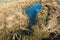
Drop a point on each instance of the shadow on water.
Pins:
(31, 13)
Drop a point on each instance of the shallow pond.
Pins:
(32, 11)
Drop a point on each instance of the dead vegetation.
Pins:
(14, 23)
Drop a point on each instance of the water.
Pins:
(32, 11)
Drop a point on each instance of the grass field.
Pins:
(14, 23)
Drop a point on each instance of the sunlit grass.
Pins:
(15, 32)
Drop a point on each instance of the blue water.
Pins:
(32, 11)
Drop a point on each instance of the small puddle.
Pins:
(32, 11)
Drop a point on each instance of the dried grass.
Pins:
(13, 20)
